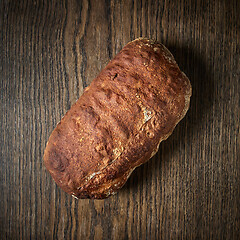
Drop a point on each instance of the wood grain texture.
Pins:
(51, 50)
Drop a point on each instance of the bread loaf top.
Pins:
(119, 121)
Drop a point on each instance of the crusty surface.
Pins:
(119, 121)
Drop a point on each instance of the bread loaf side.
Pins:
(119, 121)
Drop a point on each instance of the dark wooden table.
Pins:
(51, 50)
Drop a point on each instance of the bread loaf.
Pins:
(119, 121)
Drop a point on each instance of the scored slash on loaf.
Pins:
(119, 121)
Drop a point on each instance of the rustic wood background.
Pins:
(51, 50)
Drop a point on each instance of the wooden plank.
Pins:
(50, 51)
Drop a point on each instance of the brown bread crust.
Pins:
(119, 121)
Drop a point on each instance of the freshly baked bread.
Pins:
(119, 121)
